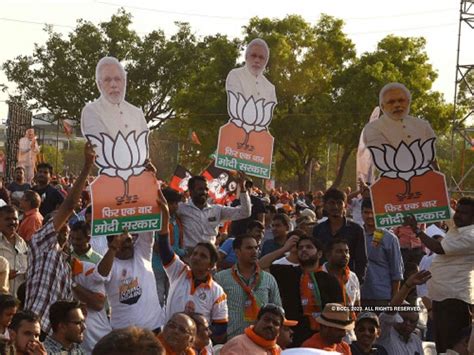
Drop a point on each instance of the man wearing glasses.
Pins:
(178, 335)
(68, 324)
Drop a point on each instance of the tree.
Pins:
(303, 61)
(60, 75)
(53, 156)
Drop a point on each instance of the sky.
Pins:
(366, 23)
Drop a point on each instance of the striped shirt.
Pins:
(266, 292)
(49, 274)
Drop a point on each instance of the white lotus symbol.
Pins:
(249, 114)
(121, 157)
(405, 161)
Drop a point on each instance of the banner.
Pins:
(221, 184)
(179, 181)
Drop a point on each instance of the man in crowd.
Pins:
(452, 285)
(201, 220)
(68, 325)
(281, 224)
(397, 328)
(249, 80)
(385, 267)
(49, 269)
(396, 125)
(178, 335)
(32, 218)
(13, 247)
(246, 285)
(337, 252)
(18, 186)
(28, 149)
(8, 307)
(130, 282)
(367, 331)
(227, 257)
(25, 332)
(338, 225)
(129, 341)
(305, 290)
(51, 198)
(334, 322)
(176, 240)
(261, 338)
(192, 288)
(110, 113)
(80, 241)
(202, 343)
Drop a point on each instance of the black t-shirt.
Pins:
(51, 198)
(14, 186)
(288, 278)
(354, 234)
(240, 227)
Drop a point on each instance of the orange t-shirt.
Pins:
(317, 343)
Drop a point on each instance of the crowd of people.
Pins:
(274, 271)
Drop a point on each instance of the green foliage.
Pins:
(54, 157)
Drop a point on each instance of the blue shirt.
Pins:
(385, 266)
(156, 260)
(228, 250)
(270, 246)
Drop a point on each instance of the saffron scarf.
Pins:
(252, 305)
(310, 298)
(343, 278)
(269, 345)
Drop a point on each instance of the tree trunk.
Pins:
(303, 176)
(342, 164)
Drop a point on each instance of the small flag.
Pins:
(195, 138)
(179, 181)
(221, 184)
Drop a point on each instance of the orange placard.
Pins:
(424, 196)
(119, 204)
(248, 152)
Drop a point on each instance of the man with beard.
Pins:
(246, 285)
(249, 80)
(51, 198)
(68, 324)
(339, 226)
(178, 335)
(396, 125)
(25, 333)
(110, 113)
(305, 290)
(259, 339)
(201, 220)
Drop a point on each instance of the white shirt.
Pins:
(392, 341)
(425, 264)
(97, 323)
(101, 116)
(27, 154)
(241, 80)
(352, 285)
(284, 261)
(208, 298)
(99, 244)
(131, 289)
(453, 272)
(202, 225)
(386, 130)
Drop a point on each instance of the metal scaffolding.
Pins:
(463, 113)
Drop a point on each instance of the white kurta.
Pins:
(101, 116)
(240, 80)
